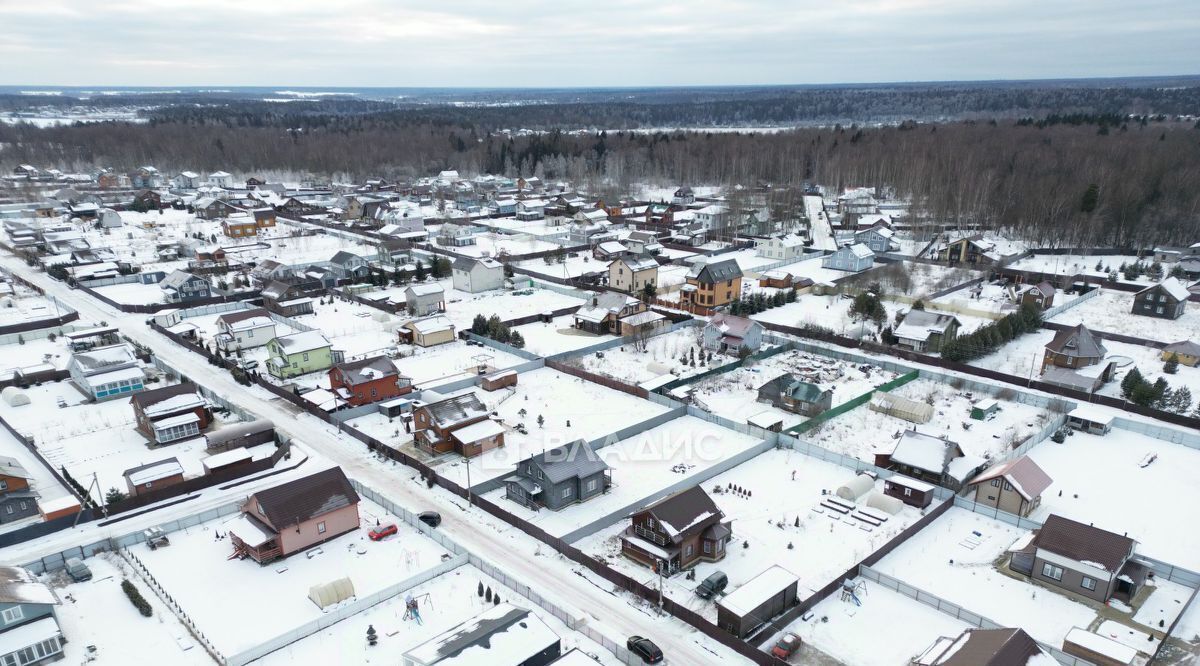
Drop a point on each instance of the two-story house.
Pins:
(300, 353)
(712, 284)
(477, 275)
(933, 459)
(676, 532)
(349, 266)
(244, 329)
(1073, 348)
(29, 631)
(605, 312)
(878, 238)
(425, 299)
(559, 477)
(643, 242)
(786, 246)
(459, 423)
(17, 501)
(1015, 486)
(294, 516)
(109, 372)
(853, 258)
(171, 413)
(368, 380)
(183, 287)
(287, 299)
(923, 331)
(727, 333)
(1165, 300)
(1040, 295)
(631, 274)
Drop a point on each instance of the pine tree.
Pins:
(1181, 400)
(1091, 197)
(479, 325)
(113, 496)
(420, 271)
(1171, 366)
(488, 594)
(479, 590)
(1131, 381)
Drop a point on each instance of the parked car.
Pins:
(430, 518)
(156, 538)
(382, 531)
(786, 646)
(712, 586)
(644, 648)
(77, 570)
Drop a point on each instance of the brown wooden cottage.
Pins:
(1082, 559)
(1075, 347)
(171, 413)
(1015, 486)
(294, 516)
(459, 423)
(676, 532)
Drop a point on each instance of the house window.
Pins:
(996, 483)
(1088, 583)
(707, 547)
(1158, 309)
(260, 509)
(306, 356)
(1051, 571)
(23, 506)
(566, 492)
(3, 485)
(13, 614)
(591, 485)
(687, 551)
(908, 492)
(321, 527)
(9, 507)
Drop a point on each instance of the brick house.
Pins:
(294, 516)
(368, 380)
(676, 532)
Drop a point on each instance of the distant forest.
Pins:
(1061, 166)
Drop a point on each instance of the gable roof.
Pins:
(1085, 343)
(1183, 347)
(989, 647)
(1084, 543)
(302, 342)
(685, 509)
(919, 324)
(178, 278)
(19, 585)
(1044, 287)
(168, 399)
(1024, 475)
(639, 263)
(456, 409)
(856, 250)
(368, 369)
(933, 454)
(12, 467)
(730, 325)
(276, 289)
(238, 316)
(342, 257)
(306, 498)
(574, 460)
(796, 389)
(1172, 286)
(427, 289)
(712, 273)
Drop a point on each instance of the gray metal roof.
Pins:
(574, 460)
(1077, 341)
(721, 271)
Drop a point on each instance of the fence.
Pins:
(1053, 312)
(954, 610)
(504, 347)
(1105, 335)
(607, 382)
(853, 403)
(726, 367)
(155, 307)
(1186, 438)
(136, 564)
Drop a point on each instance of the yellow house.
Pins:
(712, 284)
(1186, 352)
(427, 332)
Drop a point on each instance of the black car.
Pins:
(644, 648)
(430, 518)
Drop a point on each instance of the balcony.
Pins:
(651, 535)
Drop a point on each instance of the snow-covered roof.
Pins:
(125, 374)
(227, 457)
(503, 634)
(19, 585)
(922, 451)
(642, 318)
(919, 325)
(430, 325)
(1174, 288)
(859, 251)
(302, 342)
(1102, 645)
(154, 471)
(29, 634)
(428, 289)
(252, 532)
(1091, 414)
(176, 421)
(754, 592)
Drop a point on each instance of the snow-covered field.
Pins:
(41, 481)
(1153, 503)
(833, 312)
(939, 560)
(889, 629)
(989, 297)
(764, 525)
(462, 307)
(734, 394)
(661, 357)
(641, 465)
(1073, 264)
(33, 352)
(573, 266)
(1111, 312)
(571, 408)
(430, 366)
(132, 293)
(491, 244)
(26, 306)
(444, 602)
(234, 619)
(862, 432)
(96, 438)
(97, 613)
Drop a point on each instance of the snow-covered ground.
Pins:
(443, 602)
(557, 336)
(491, 244)
(941, 561)
(572, 266)
(915, 280)
(862, 432)
(764, 525)
(1111, 312)
(26, 306)
(97, 613)
(734, 394)
(888, 629)
(96, 438)
(661, 357)
(1152, 503)
(132, 293)
(1073, 264)
(234, 619)
(571, 408)
(41, 481)
(833, 312)
(33, 352)
(641, 465)
(462, 307)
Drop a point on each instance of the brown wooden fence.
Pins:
(607, 382)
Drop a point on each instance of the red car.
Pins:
(786, 646)
(383, 531)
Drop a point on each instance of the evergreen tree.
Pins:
(515, 339)
(113, 496)
(1181, 400)
(479, 325)
(1131, 381)
(420, 277)
(1171, 366)
(1091, 197)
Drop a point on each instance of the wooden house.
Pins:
(676, 532)
(1073, 348)
(17, 500)
(559, 477)
(1165, 300)
(909, 490)
(294, 516)
(153, 476)
(436, 426)
(368, 380)
(796, 396)
(1015, 486)
(171, 413)
(1082, 559)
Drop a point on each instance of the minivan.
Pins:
(712, 586)
(77, 570)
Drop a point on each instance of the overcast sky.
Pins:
(588, 42)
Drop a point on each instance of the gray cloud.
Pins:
(587, 43)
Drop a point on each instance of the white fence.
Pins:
(1165, 433)
(1053, 312)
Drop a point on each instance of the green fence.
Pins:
(718, 369)
(851, 404)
